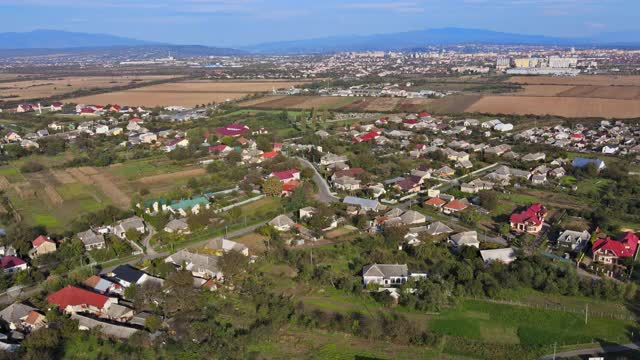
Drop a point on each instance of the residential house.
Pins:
(12, 137)
(225, 246)
(12, 264)
(455, 206)
(287, 176)
(575, 240)
(411, 217)
(126, 275)
(385, 274)
(201, 265)
(436, 202)
(133, 223)
(506, 256)
(467, 238)
(476, 186)
(21, 317)
(534, 157)
(306, 212)
(583, 163)
(282, 223)
(233, 130)
(363, 204)
(103, 286)
(73, 299)
(178, 226)
(438, 228)
(56, 106)
(530, 220)
(43, 245)
(609, 251)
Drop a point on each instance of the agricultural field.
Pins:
(55, 196)
(34, 89)
(571, 107)
(581, 96)
(185, 93)
(339, 103)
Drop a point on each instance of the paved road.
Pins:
(593, 351)
(12, 295)
(324, 191)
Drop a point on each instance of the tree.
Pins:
(233, 157)
(307, 173)
(233, 263)
(227, 140)
(133, 235)
(263, 143)
(272, 186)
(153, 323)
(31, 167)
(488, 200)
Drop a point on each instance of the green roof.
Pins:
(161, 201)
(189, 203)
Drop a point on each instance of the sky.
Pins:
(244, 22)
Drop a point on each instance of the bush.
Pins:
(31, 167)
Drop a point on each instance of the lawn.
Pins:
(136, 169)
(505, 324)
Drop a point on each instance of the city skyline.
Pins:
(246, 22)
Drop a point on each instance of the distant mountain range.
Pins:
(444, 36)
(42, 42)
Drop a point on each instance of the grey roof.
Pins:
(89, 237)
(386, 270)
(15, 311)
(226, 245)
(198, 261)
(412, 216)
(465, 238)
(109, 329)
(282, 220)
(133, 222)
(506, 255)
(363, 203)
(395, 212)
(572, 236)
(437, 228)
(177, 224)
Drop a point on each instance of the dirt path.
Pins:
(4, 183)
(172, 176)
(53, 195)
(79, 176)
(63, 177)
(119, 198)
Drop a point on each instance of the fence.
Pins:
(244, 202)
(562, 308)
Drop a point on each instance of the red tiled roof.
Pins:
(456, 205)
(437, 202)
(217, 148)
(72, 295)
(285, 175)
(577, 136)
(534, 214)
(8, 262)
(92, 281)
(424, 114)
(624, 246)
(372, 135)
(411, 121)
(33, 317)
(269, 155)
(87, 111)
(290, 186)
(40, 240)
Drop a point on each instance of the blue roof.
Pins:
(583, 162)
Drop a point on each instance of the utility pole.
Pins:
(586, 314)
(554, 351)
(312, 257)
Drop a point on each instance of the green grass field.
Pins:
(505, 324)
(136, 169)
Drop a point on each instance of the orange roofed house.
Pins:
(73, 300)
(529, 221)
